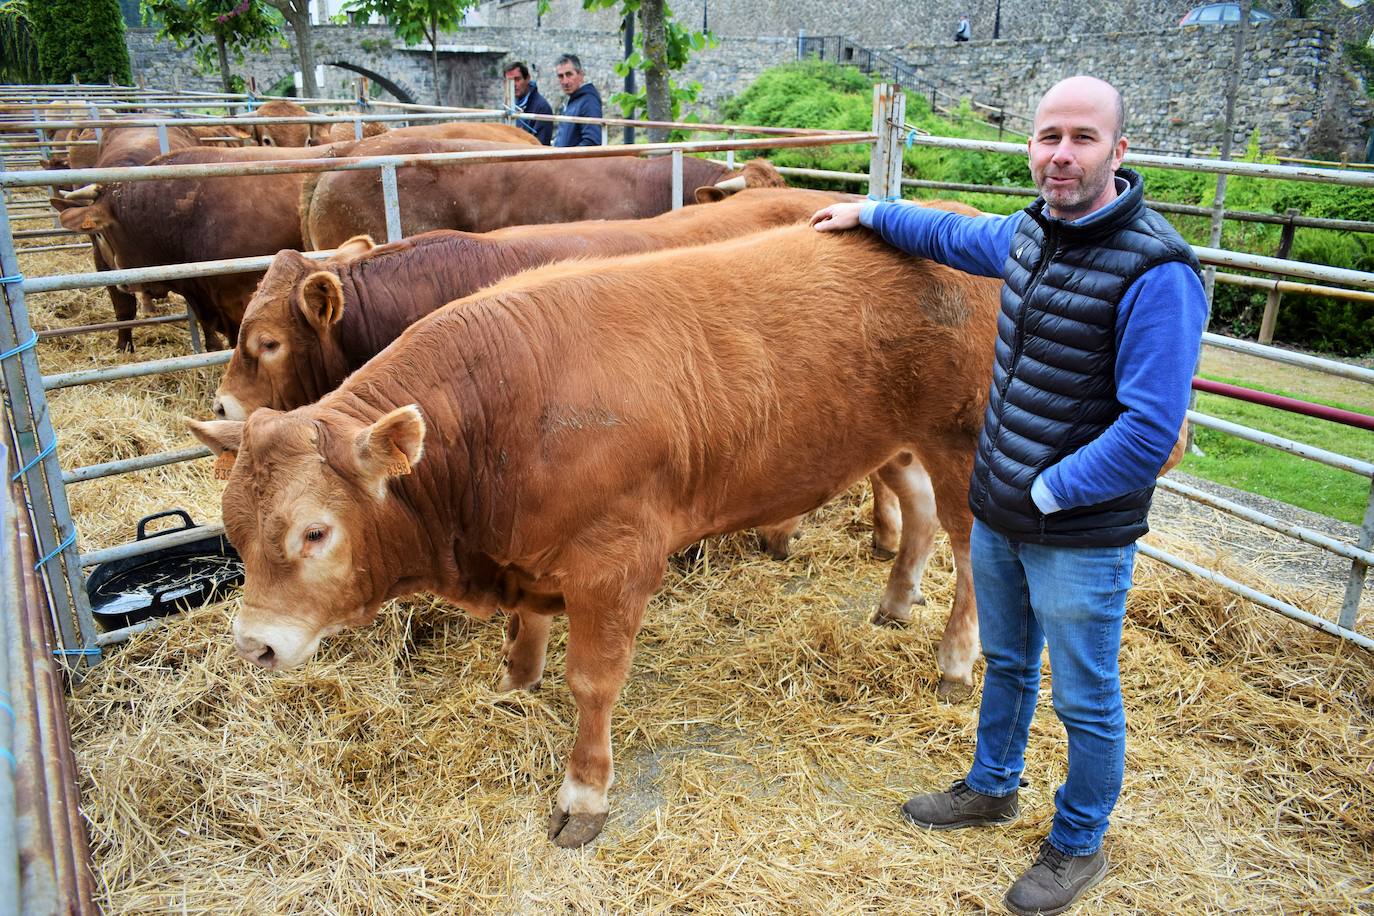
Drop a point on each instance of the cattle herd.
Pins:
(554, 382)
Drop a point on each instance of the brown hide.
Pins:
(153, 223)
(481, 196)
(294, 135)
(575, 424)
(286, 356)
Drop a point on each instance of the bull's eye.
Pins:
(315, 535)
(267, 346)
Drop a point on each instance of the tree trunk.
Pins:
(434, 54)
(299, 17)
(224, 73)
(660, 103)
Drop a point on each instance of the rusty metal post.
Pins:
(1271, 302)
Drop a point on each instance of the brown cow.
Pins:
(481, 196)
(152, 223)
(344, 132)
(544, 445)
(124, 147)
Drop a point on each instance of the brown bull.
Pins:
(344, 132)
(543, 446)
(481, 196)
(154, 223)
(125, 147)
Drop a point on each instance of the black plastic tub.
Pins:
(187, 575)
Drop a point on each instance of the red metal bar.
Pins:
(1293, 405)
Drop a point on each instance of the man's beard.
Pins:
(1074, 202)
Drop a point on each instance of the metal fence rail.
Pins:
(884, 180)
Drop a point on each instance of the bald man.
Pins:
(1102, 317)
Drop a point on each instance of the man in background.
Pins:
(529, 100)
(583, 102)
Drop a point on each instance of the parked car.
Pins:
(1221, 14)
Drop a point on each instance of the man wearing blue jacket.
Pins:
(529, 100)
(1101, 322)
(583, 102)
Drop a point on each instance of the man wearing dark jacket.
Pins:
(528, 100)
(583, 102)
(1101, 323)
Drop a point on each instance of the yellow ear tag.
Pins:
(398, 466)
(223, 465)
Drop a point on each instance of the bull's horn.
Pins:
(730, 185)
(89, 192)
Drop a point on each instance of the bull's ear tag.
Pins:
(88, 224)
(223, 465)
(398, 465)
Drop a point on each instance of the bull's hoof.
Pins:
(570, 831)
(953, 691)
(775, 552)
(509, 684)
(881, 618)
(883, 553)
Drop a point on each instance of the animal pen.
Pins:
(782, 731)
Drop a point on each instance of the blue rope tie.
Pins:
(26, 345)
(6, 755)
(52, 446)
(90, 653)
(12, 278)
(67, 542)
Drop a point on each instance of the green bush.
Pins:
(822, 95)
(84, 38)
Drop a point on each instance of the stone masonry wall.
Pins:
(1174, 82)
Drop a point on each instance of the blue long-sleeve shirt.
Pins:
(1158, 335)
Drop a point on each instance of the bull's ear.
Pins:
(708, 194)
(358, 245)
(82, 218)
(322, 301)
(392, 446)
(223, 437)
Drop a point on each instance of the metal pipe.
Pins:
(34, 440)
(1285, 286)
(136, 370)
(150, 544)
(31, 178)
(9, 605)
(134, 275)
(1223, 258)
(108, 326)
(1230, 507)
(1311, 452)
(1354, 585)
(676, 196)
(391, 203)
(139, 463)
(1315, 363)
(1292, 405)
(1256, 596)
(33, 249)
(1210, 166)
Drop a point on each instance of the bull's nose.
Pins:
(218, 407)
(256, 651)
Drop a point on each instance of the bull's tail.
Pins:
(303, 208)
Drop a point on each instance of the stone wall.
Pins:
(1293, 90)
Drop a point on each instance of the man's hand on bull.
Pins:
(836, 217)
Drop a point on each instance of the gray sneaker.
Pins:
(1054, 882)
(960, 806)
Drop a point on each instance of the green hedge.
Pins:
(84, 38)
(822, 95)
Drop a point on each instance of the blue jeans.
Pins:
(1074, 598)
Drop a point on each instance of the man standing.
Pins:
(528, 100)
(583, 102)
(1102, 315)
(965, 31)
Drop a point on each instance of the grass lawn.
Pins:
(1258, 469)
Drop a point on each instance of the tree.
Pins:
(81, 38)
(297, 12)
(214, 28)
(662, 46)
(18, 50)
(414, 20)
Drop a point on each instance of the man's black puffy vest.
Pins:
(1054, 382)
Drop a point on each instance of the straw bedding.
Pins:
(765, 738)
